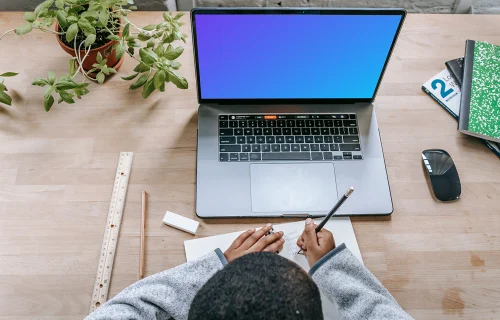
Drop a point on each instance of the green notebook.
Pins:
(480, 102)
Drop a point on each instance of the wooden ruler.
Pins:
(111, 231)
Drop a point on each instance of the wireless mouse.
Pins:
(443, 174)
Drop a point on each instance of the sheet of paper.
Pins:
(340, 227)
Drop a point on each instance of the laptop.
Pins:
(285, 122)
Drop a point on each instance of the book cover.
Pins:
(455, 67)
(480, 102)
(451, 102)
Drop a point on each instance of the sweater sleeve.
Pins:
(165, 295)
(353, 288)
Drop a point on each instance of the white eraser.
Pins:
(180, 222)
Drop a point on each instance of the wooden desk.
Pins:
(57, 169)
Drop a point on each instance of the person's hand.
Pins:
(315, 245)
(254, 241)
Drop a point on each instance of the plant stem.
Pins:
(6, 33)
(80, 62)
(50, 31)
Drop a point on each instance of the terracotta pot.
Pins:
(105, 51)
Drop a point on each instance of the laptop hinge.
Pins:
(295, 215)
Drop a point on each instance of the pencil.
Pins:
(143, 233)
(332, 212)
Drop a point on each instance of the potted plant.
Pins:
(4, 96)
(98, 34)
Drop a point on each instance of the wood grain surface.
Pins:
(57, 170)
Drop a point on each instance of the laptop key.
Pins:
(353, 130)
(334, 147)
(324, 147)
(257, 131)
(246, 148)
(304, 147)
(268, 131)
(227, 140)
(243, 156)
(352, 116)
(296, 131)
(350, 147)
(315, 131)
(337, 139)
(289, 139)
(350, 123)
(287, 156)
(309, 139)
(285, 147)
(243, 124)
(275, 148)
(334, 131)
(248, 132)
(351, 139)
(233, 157)
(252, 123)
(337, 123)
(224, 156)
(309, 123)
(318, 139)
(327, 156)
(226, 132)
(337, 157)
(290, 123)
(233, 124)
(271, 123)
(347, 157)
(240, 139)
(328, 139)
(301, 123)
(230, 148)
(266, 148)
(287, 131)
(325, 131)
(347, 153)
(357, 157)
(306, 131)
(299, 139)
(255, 147)
(261, 139)
(280, 139)
(256, 156)
(238, 132)
(344, 131)
(328, 123)
(277, 131)
(316, 156)
(223, 117)
(295, 147)
(315, 147)
(270, 139)
(319, 123)
(262, 123)
(250, 139)
(223, 124)
(281, 123)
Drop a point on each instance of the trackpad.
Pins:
(294, 187)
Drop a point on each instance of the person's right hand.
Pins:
(315, 245)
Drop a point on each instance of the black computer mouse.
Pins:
(442, 174)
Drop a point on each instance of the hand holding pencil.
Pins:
(315, 245)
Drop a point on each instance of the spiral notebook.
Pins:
(340, 227)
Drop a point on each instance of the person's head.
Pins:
(258, 286)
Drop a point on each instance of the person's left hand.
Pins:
(254, 241)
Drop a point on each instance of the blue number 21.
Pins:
(444, 93)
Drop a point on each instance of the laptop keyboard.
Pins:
(314, 137)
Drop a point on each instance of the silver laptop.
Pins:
(286, 122)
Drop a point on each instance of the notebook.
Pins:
(480, 103)
(341, 228)
(456, 68)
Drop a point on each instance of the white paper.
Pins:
(340, 227)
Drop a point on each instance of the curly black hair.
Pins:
(258, 286)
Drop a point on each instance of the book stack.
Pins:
(469, 89)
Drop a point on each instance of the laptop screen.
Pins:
(292, 56)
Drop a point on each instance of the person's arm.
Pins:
(165, 295)
(168, 294)
(345, 280)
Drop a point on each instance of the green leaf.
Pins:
(105, 70)
(131, 51)
(66, 85)
(100, 77)
(159, 78)
(111, 70)
(178, 16)
(99, 58)
(86, 26)
(48, 91)
(71, 32)
(51, 77)
(120, 50)
(40, 82)
(29, 16)
(173, 53)
(66, 97)
(179, 81)
(126, 30)
(175, 65)
(143, 37)
(141, 67)
(103, 17)
(151, 44)
(60, 4)
(167, 17)
(24, 29)
(168, 39)
(62, 18)
(113, 37)
(140, 82)
(72, 19)
(3, 87)
(48, 102)
(132, 8)
(131, 77)
(90, 40)
(162, 87)
(72, 67)
(150, 27)
(148, 89)
(5, 98)
(8, 74)
(146, 57)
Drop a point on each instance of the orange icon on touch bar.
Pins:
(270, 117)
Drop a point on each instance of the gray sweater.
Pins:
(168, 294)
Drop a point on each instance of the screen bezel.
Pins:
(312, 11)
